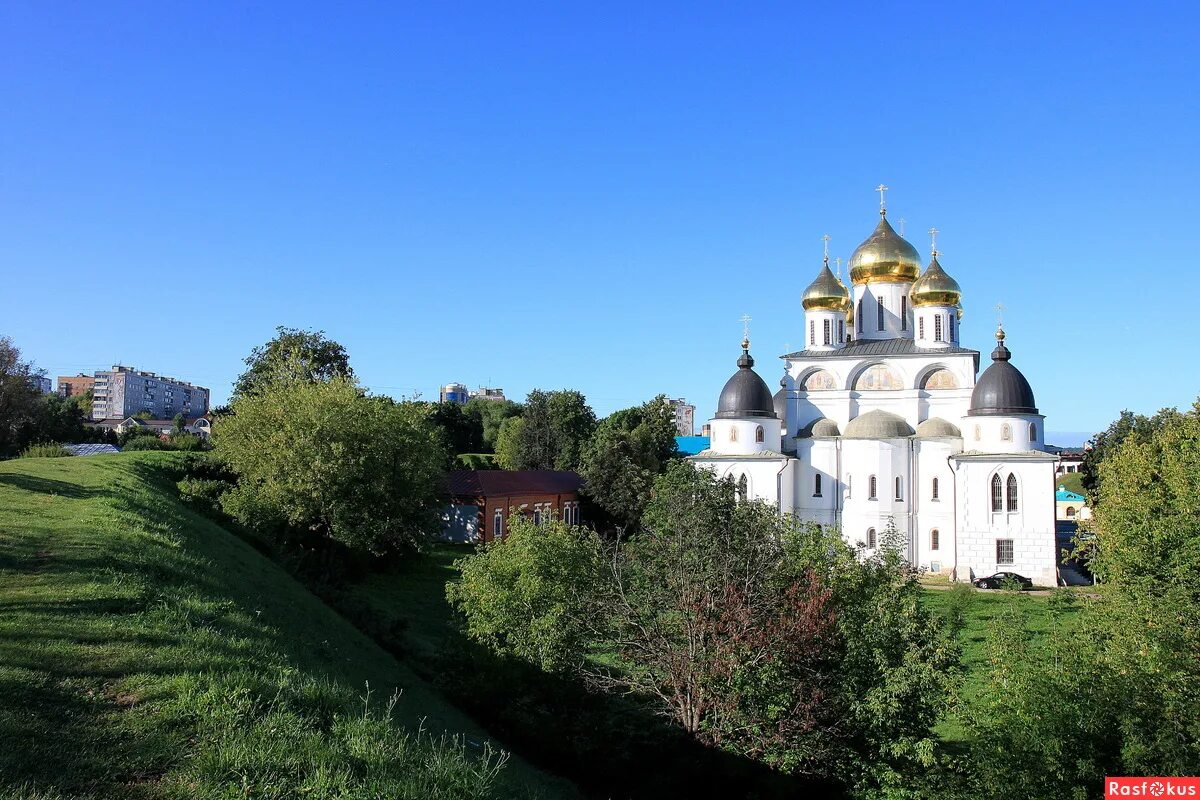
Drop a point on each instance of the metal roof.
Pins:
(493, 482)
(690, 445)
(899, 346)
(90, 449)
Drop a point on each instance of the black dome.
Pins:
(745, 394)
(1002, 390)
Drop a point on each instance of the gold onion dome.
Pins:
(885, 256)
(826, 293)
(935, 287)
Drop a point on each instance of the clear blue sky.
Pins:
(591, 196)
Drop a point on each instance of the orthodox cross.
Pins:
(933, 232)
(902, 221)
(746, 326)
(882, 200)
(1000, 315)
(826, 239)
(838, 261)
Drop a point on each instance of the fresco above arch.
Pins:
(940, 379)
(819, 381)
(876, 378)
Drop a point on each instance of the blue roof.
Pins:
(1067, 496)
(691, 445)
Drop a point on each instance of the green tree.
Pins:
(628, 450)
(556, 427)
(461, 431)
(323, 457)
(489, 415)
(531, 595)
(293, 354)
(508, 443)
(19, 400)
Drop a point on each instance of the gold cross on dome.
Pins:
(933, 232)
(882, 200)
(902, 221)
(746, 326)
(826, 239)
(838, 261)
(1000, 314)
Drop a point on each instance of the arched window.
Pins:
(812, 331)
(950, 320)
(920, 327)
(537, 516)
(879, 309)
(997, 494)
(899, 492)
(934, 537)
(743, 488)
(828, 332)
(977, 432)
(937, 328)
(817, 485)
(871, 486)
(871, 538)
(1032, 432)
(1012, 492)
(904, 313)
(732, 433)
(1070, 512)
(759, 434)
(497, 524)
(841, 331)
(858, 316)
(1006, 432)
(935, 489)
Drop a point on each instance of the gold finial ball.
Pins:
(746, 343)
(1000, 334)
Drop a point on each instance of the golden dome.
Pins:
(826, 293)
(935, 287)
(885, 256)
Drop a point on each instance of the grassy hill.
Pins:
(147, 652)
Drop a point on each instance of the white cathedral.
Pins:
(881, 419)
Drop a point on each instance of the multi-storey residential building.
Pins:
(41, 383)
(488, 393)
(685, 416)
(74, 385)
(124, 392)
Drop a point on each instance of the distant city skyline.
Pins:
(592, 198)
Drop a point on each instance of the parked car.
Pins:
(1002, 579)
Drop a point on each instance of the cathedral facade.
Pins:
(883, 423)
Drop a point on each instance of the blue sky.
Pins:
(590, 196)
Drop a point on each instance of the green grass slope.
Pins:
(147, 652)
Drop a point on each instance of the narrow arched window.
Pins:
(903, 313)
(497, 524)
(921, 328)
(899, 492)
(759, 434)
(812, 331)
(828, 332)
(871, 538)
(1006, 432)
(934, 538)
(841, 331)
(879, 311)
(817, 485)
(935, 489)
(733, 434)
(1032, 432)
(997, 494)
(1012, 492)
(1070, 512)
(871, 486)
(858, 317)
(950, 320)
(937, 328)
(977, 432)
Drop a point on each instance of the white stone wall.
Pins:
(770, 480)
(893, 296)
(1031, 527)
(996, 434)
(928, 316)
(740, 436)
(814, 330)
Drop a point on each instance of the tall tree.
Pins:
(294, 354)
(20, 401)
(325, 458)
(629, 449)
(555, 427)
(462, 431)
(489, 416)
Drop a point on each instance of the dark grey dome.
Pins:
(1002, 390)
(780, 403)
(745, 394)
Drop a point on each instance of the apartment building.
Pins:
(122, 392)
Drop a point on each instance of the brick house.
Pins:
(482, 501)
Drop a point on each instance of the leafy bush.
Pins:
(45, 451)
(146, 443)
(203, 493)
(188, 442)
(135, 432)
(477, 461)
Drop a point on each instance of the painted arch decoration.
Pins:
(876, 378)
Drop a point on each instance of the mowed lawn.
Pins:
(145, 651)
